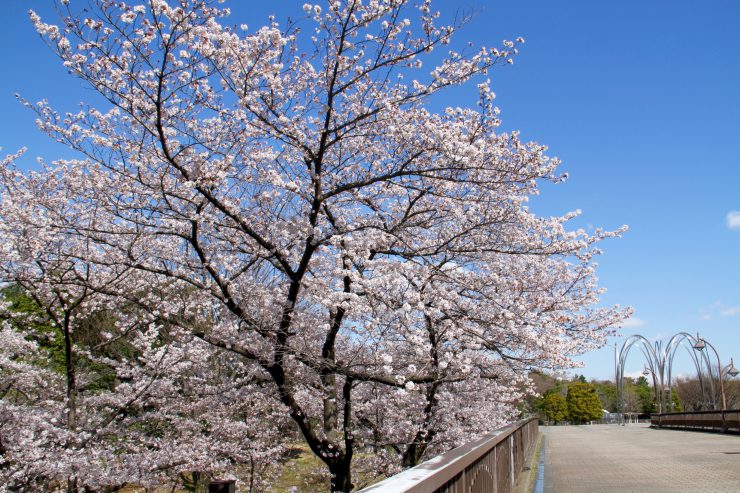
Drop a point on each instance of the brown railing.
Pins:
(725, 421)
(488, 465)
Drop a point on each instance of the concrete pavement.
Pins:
(636, 459)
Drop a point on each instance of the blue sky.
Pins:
(640, 100)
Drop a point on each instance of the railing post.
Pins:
(512, 463)
(495, 469)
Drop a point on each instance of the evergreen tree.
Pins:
(607, 393)
(645, 395)
(554, 407)
(583, 403)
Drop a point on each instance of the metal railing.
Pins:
(488, 465)
(723, 421)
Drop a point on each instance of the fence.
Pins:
(488, 465)
(724, 421)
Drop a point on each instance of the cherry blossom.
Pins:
(285, 198)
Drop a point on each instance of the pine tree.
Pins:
(583, 403)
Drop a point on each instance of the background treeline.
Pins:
(577, 400)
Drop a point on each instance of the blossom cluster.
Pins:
(292, 230)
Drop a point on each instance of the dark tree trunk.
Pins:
(341, 477)
(411, 456)
(331, 413)
(71, 389)
(201, 481)
(415, 450)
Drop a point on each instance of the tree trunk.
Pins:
(415, 451)
(411, 456)
(331, 414)
(201, 480)
(251, 474)
(341, 477)
(71, 389)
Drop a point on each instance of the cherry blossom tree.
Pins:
(131, 398)
(166, 418)
(374, 260)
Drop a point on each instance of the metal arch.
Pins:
(659, 361)
(670, 352)
(652, 359)
(658, 365)
(713, 389)
(705, 354)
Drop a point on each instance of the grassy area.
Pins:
(139, 489)
(300, 472)
(306, 473)
(303, 471)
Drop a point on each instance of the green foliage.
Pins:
(29, 318)
(607, 393)
(639, 396)
(35, 327)
(645, 395)
(583, 403)
(653, 407)
(551, 406)
(677, 407)
(541, 384)
(554, 407)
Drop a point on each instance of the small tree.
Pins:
(677, 405)
(607, 393)
(630, 400)
(554, 407)
(583, 402)
(646, 396)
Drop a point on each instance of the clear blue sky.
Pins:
(640, 100)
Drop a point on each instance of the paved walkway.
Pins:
(636, 458)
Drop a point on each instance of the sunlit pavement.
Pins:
(636, 458)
